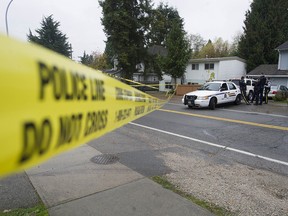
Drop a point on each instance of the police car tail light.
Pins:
(274, 92)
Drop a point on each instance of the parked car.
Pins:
(213, 93)
(277, 88)
(249, 86)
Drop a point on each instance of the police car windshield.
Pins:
(211, 86)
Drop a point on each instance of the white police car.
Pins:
(213, 93)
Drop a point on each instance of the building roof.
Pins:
(112, 71)
(203, 60)
(269, 70)
(283, 46)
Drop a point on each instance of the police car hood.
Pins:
(203, 93)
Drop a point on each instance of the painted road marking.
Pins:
(240, 111)
(227, 120)
(265, 114)
(213, 144)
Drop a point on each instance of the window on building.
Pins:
(168, 85)
(195, 66)
(209, 66)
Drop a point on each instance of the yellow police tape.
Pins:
(50, 104)
(138, 84)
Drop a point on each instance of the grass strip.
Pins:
(39, 210)
(204, 204)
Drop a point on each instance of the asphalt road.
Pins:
(234, 156)
(256, 136)
(253, 135)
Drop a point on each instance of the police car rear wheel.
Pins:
(250, 95)
(238, 100)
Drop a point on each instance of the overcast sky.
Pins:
(80, 20)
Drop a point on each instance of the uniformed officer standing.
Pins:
(256, 92)
(267, 89)
(243, 88)
(262, 81)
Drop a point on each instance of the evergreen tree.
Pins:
(179, 52)
(86, 59)
(125, 24)
(51, 37)
(162, 19)
(266, 27)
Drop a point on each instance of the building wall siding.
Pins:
(231, 69)
(283, 60)
(223, 70)
(200, 76)
(279, 81)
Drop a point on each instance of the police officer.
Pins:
(262, 81)
(243, 88)
(267, 89)
(256, 92)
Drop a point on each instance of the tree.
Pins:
(162, 19)
(95, 60)
(215, 49)
(197, 43)
(110, 52)
(161, 23)
(265, 28)
(125, 25)
(51, 37)
(86, 59)
(222, 48)
(235, 44)
(100, 61)
(179, 52)
(208, 51)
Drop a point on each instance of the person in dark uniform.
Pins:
(243, 88)
(256, 92)
(267, 89)
(262, 82)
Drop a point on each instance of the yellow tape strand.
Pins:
(138, 83)
(51, 104)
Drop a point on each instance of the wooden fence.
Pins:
(183, 89)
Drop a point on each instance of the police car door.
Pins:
(224, 95)
(232, 92)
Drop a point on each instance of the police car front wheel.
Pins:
(212, 103)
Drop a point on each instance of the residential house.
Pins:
(277, 73)
(138, 76)
(199, 71)
(205, 69)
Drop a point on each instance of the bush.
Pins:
(281, 96)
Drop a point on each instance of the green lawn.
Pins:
(39, 210)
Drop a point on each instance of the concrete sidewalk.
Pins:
(71, 184)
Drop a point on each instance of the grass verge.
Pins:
(204, 204)
(39, 210)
